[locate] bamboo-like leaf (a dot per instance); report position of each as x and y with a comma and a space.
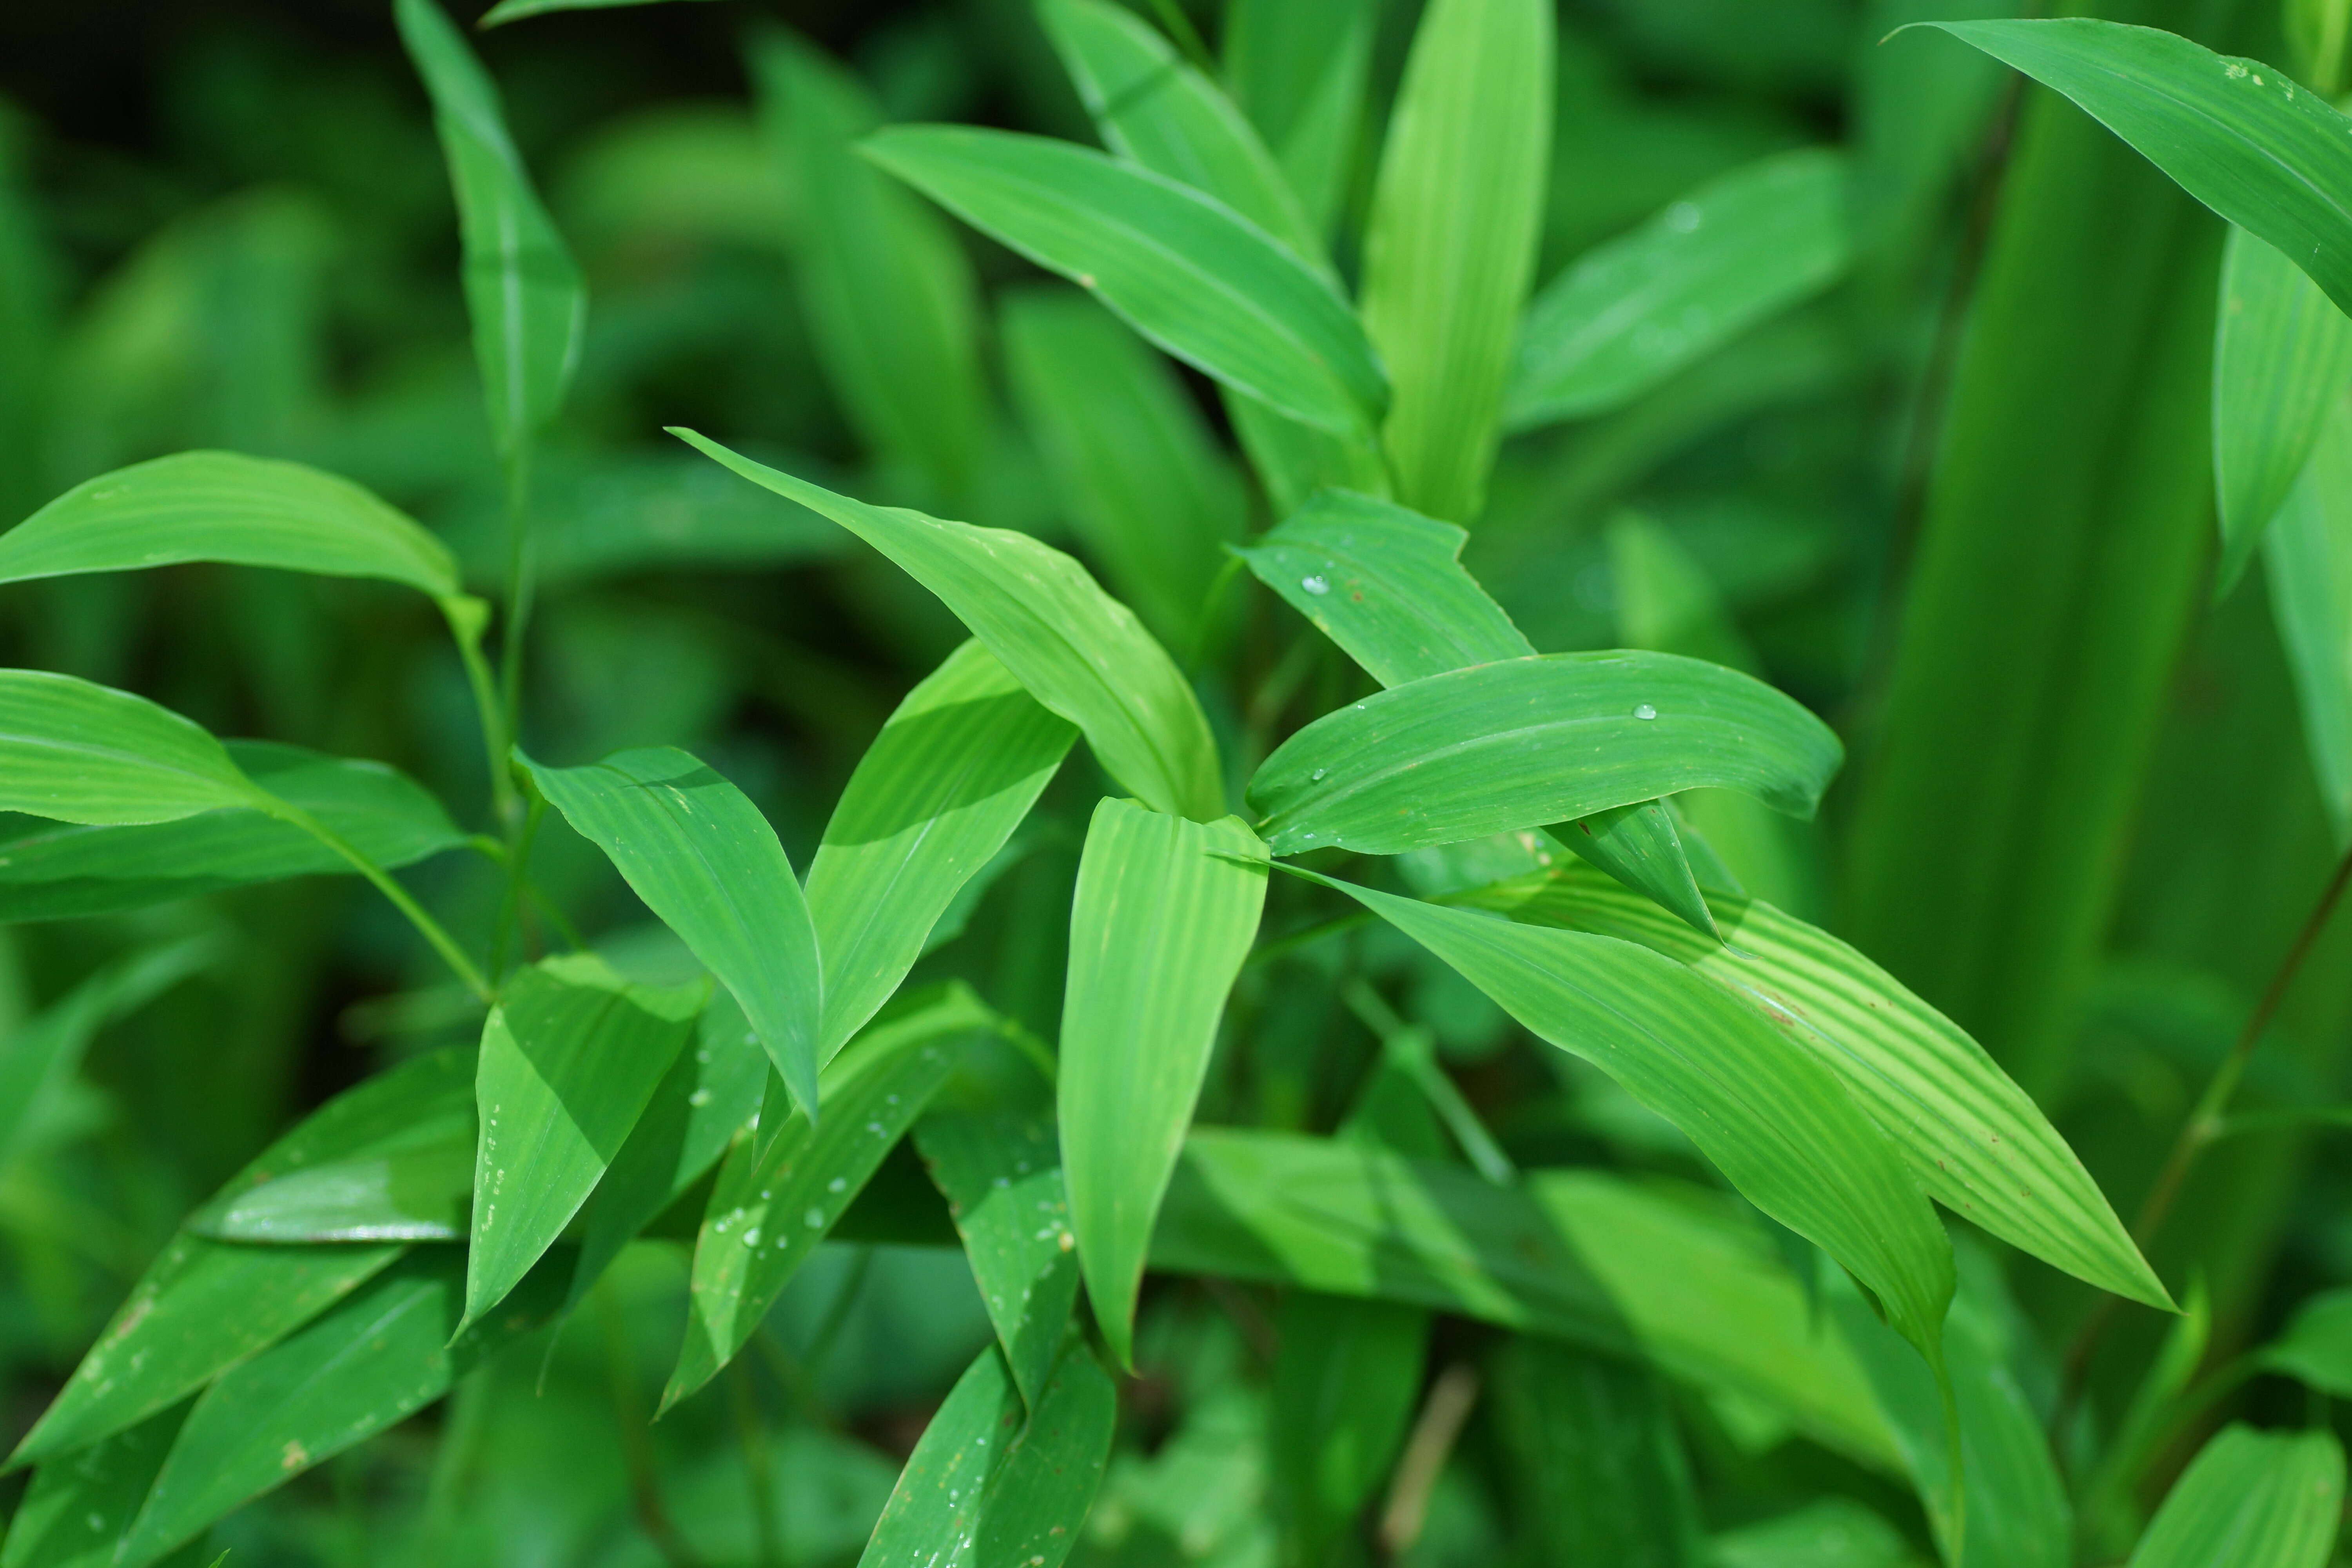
985, 1487
1293, 461
2282, 361
2318, 1345
569, 1058
1583, 1255
42, 1053
1835, 1530
382, 1354
78, 1506
780, 1194
1299, 67
1157, 110
516, 10
1451, 245
1641, 847
1590, 1448
522, 288
1774, 1120
2251, 1499
1179, 266
51, 870
1526, 741
1139, 476
1002, 1179
1973, 1139
1080, 652
75, 752
1165, 912
1346, 1374
935, 797
703, 858
2308, 563
886, 288
2237, 134
1631, 313
225, 506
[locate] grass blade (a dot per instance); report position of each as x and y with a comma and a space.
2251, 1499
1299, 69
2307, 560
2282, 359
1001, 1176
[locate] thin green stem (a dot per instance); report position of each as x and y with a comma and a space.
1412, 1048
751, 1437
427, 926
519, 588
467, 616
518, 882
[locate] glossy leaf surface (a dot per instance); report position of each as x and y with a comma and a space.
1527, 742
2251, 1499
2281, 361
1002, 1179
1165, 911
1181, 267
696, 850
1079, 651
75, 752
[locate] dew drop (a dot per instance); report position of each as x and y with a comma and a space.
815, 1219
1317, 774
1683, 218
838, 1185
1643, 710
751, 1236
700, 1097
1316, 584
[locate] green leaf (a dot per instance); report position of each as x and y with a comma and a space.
522, 288
886, 288
2282, 360
1299, 69
970, 1498
1450, 244
1154, 110
1836, 1532
1345, 1376
383, 1353
1179, 266
2237, 134
1973, 1139
74, 752
935, 797
696, 850
2317, 1344
516, 10
1525, 742
1774, 1119
1584, 1255
1139, 474
1590, 1448
1629, 314
40, 1054
2308, 563
77, 1508
1165, 911
1641, 847
1386, 584
1002, 1179
51, 870
225, 506
2251, 1499
1079, 651
569, 1058
780, 1194
1293, 461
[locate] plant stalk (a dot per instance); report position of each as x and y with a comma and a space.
427, 926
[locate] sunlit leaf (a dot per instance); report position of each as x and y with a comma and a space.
696, 850
569, 1058
1179, 266
1346, 1374
74, 752
1165, 911
1452, 240
2251, 1499
1002, 1179
1527, 742
1080, 652
1298, 67
2282, 361
1836, 1532
2307, 564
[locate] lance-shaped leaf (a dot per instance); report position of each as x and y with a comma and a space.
935, 797
522, 288
696, 850
381, 1355
1641, 847
1973, 1139
1002, 1179
1079, 651
75, 751
2239, 135
569, 1056
1293, 461
2317, 1344
1526, 741
1450, 244
1298, 67
1775, 1120
225, 506
51, 870
985, 1487
1629, 314
2282, 360
78, 1506
886, 288
1677, 1277
1138, 473
780, 1194
1164, 913
1157, 110
1346, 1374
1178, 265
2308, 563
1590, 1449
2251, 1499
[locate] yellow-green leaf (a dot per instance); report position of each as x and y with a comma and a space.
2251, 1499
2282, 361
75, 752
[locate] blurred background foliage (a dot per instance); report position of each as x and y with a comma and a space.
1958, 504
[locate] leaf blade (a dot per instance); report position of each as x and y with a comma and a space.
2282, 359
75, 751
2251, 1499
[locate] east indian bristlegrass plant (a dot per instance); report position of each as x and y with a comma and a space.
1525, 822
